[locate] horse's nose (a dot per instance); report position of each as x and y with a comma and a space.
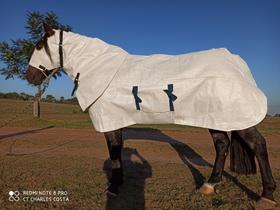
29, 75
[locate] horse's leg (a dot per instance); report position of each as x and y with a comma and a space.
115, 144
258, 144
221, 142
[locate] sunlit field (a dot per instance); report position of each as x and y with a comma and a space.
164, 165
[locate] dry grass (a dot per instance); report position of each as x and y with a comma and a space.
75, 160
71, 116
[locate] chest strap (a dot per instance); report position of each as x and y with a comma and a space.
76, 83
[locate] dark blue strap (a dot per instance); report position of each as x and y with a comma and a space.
136, 97
171, 96
76, 83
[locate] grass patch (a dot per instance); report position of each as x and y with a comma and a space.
71, 116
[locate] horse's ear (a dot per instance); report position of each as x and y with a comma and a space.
48, 30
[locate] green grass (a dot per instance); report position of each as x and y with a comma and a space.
71, 116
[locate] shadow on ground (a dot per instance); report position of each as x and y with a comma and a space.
28, 132
132, 192
24, 132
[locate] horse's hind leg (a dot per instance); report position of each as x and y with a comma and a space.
221, 142
257, 143
115, 143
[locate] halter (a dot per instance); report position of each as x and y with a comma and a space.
60, 51
48, 77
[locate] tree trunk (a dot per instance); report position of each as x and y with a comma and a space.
36, 105
242, 158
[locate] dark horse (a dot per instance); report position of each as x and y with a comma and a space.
246, 144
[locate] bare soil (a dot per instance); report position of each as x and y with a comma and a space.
163, 169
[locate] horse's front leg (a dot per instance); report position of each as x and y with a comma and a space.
115, 143
221, 142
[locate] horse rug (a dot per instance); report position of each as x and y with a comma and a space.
210, 89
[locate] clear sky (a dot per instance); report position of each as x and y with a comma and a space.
248, 28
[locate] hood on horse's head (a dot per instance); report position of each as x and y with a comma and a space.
46, 52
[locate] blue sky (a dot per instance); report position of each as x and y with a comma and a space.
248, 28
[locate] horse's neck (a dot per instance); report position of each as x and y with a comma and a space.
77, 48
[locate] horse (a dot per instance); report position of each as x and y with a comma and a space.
55, 51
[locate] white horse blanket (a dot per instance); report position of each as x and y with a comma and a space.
211, 89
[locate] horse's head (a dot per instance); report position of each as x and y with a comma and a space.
45, 58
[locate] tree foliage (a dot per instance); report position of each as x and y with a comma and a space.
16, 96
16, 54
26, 97
50, 98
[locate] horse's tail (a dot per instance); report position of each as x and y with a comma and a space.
242, 158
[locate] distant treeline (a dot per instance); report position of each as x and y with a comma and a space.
50, 98
26, 97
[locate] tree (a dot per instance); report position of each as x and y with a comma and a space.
16, 54
62, 99
72, 100
25, 97
50, 98
12, 95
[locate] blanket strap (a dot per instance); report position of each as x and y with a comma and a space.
76, 83
136, 97
171, 96
60, 50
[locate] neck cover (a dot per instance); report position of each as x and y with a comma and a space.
211, 89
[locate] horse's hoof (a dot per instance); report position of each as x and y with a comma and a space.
207, 189
111, 193
113, 190
266, 204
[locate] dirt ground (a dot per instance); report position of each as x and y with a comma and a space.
163, 169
